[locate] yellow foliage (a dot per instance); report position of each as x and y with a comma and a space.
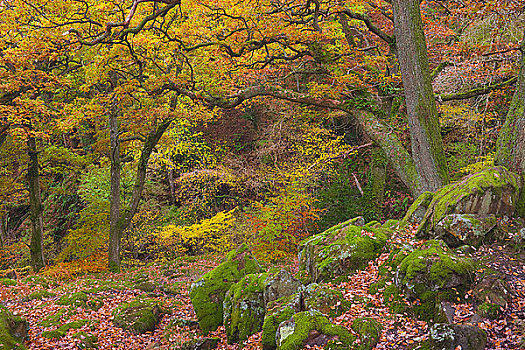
211, 235
484, 162
98, 262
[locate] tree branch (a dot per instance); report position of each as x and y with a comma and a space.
475, 92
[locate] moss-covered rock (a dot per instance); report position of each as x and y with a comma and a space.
95, 304
341, 250
245, 302
138, 316
417, 210
454, 336
207, 293
464, 229
313, 297
492, 191
244, 307
73, 299
369, 331
431, 274
13, 330
309, 328
62, 330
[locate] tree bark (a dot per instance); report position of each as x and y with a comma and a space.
114, 206
36, 208
378, 172
510, 151
425, 132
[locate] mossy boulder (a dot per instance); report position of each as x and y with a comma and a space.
137, 316
489, 310
464, 229
431, 274
493, 191
244, 307
454, 336
314, 297
369, 331
207, 293
341, 250
13, 330
245, 302
417, 210
312, 328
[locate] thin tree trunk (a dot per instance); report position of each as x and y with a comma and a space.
114, 207
511, 139
378, 172
120, 221
36, 208
425, 132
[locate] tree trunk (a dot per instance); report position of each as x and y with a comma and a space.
114, 206
378, 172
510, 150
119, 222
36, 208
425, 132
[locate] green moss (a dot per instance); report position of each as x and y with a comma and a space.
329, 302
40, 294
11, 330
53, 320
272, 320
74, 299
294, 335
137, 316
445, 201
394, 300
244, 307
423, 201
433, 274
489, 310
369, 331
7, 282
87, 340
95, 304
62, 330
207, 293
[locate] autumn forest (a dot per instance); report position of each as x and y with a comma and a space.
275, 174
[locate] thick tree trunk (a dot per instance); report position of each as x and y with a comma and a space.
511, 139
425, 133
36, 208
114, 207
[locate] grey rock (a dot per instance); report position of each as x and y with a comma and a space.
450, 336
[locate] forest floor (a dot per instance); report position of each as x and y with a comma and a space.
171, 282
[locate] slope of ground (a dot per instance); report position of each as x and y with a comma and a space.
37, 298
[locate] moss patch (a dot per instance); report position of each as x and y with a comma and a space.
62, 330
7, 282
40, 294
369, 331
53, 320
87, 340
74, 299
207, 293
